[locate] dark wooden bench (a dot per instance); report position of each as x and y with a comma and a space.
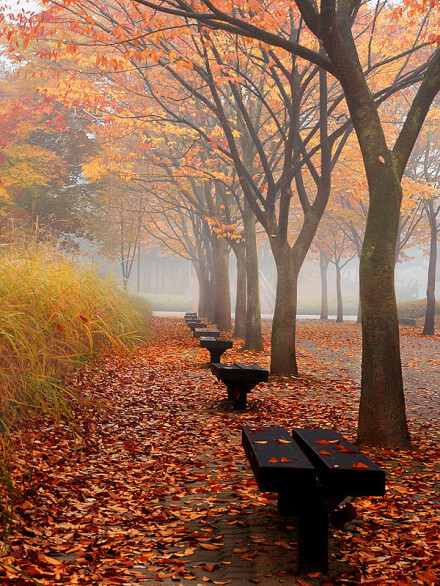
407, 321
189, 314
240, 379
216, 346
196, 324
204, 330
313, 471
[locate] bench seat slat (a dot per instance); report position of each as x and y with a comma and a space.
212, 342
253, 372
225, 372
295, 475
347, 471
202, 330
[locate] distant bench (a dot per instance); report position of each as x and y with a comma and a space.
240, 379
313, 471
204, 330
196, 323
216, 346
190, 315
407, 321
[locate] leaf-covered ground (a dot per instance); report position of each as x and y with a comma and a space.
150, 485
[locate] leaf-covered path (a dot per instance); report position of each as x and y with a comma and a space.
150, 484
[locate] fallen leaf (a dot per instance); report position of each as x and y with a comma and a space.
359, 465
324, 453
343, 450
273, 460
284, 544
283, 459
48, 560
427, 577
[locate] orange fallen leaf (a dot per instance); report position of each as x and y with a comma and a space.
282, 441
283, 459
48, 560
427, 577
324, 453
346, 450
262, 442
273, 460
208, 546
322, 442
284, 544
240, 550
359, 465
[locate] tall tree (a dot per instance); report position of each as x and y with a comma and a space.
382, 419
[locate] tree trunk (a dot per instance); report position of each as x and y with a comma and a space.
429, 326
339, 310
283, 354
240, 303
382, 419
222, 308
253, 339
204, 289
323, 266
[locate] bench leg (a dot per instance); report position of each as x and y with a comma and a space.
216, 354
230, 391
313, 535
239, 398
285, 504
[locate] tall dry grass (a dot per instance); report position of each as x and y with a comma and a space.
54, 314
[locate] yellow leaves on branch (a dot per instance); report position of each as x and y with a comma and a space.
221, 230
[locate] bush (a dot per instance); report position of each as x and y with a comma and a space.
54, 313
168, 302
415, 308
312, 305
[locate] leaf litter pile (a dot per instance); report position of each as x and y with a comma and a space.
150, 485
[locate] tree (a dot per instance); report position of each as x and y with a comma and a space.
42, 149
424, 170
382, 418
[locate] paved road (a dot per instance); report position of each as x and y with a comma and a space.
340, 357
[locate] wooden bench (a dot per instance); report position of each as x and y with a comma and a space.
196, 324
190, 314
216, 346
407, 321
203, 330
313, 471
240, 379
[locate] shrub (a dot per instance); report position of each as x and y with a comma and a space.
312, 305
415, 308
54, 313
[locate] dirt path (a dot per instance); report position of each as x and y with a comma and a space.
155, 489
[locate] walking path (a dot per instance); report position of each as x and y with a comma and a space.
151, 486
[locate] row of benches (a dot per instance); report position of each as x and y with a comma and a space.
315, 472
240, 378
